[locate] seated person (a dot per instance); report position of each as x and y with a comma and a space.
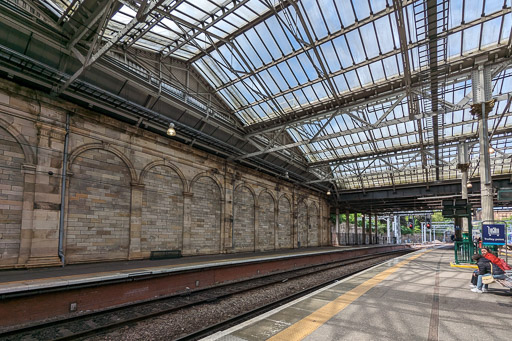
484, 268
495, 260
474, 279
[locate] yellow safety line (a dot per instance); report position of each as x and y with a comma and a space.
309, 324
469, 266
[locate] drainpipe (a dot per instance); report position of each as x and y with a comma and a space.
63, 192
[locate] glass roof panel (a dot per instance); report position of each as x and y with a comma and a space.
272, 64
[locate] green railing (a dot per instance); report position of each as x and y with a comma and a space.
464, 250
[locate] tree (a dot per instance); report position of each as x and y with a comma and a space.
437, 216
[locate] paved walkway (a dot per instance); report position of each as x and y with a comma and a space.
415, 297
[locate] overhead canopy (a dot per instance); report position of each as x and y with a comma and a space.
345, 95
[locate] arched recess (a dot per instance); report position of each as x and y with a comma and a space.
98, 220
105, 147
178, 172
206, 213
13, 154
302, 224
284, 224
28, 153
266, 221
313, 231
243, 219
162, 207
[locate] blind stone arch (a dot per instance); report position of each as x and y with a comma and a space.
12, 157
206, 212
284, 224
98, 220
313, 231
28, 154
266, 221
302, 224
162, 209
243, 219
105, 147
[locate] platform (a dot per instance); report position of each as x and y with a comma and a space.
414, 297
42, 278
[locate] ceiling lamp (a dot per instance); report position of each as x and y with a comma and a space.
469, 184
328, 192
171, 131
491, 149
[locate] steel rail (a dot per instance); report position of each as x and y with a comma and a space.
193, 298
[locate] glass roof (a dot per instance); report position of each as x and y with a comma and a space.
303, 62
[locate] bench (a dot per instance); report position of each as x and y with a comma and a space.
165, 254
507, 282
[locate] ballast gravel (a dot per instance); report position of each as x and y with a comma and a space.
186, 321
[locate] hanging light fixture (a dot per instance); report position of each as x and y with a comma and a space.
491, 149
469, 184
171, 131
328, 192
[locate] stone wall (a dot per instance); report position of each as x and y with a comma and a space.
162, 210
266, 222
129, 192
11, 197
285, 235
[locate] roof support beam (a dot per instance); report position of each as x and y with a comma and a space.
89, 23
369, 92
362, 128
66, 12
447, 142
134, 23
404, 51
204, 29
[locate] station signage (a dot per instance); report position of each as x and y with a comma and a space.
493, 234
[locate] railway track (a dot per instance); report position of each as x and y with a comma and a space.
97, 323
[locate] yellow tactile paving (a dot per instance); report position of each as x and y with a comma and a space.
309, 324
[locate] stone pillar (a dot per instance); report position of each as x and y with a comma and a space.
229, 185
295, 217
276, 220
46, 205
256, 226
187, 222
27, 214
136, 221
363, 223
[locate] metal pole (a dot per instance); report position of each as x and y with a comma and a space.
397, 230
337, 230
347, 228
482, 92
388, 221
356, 236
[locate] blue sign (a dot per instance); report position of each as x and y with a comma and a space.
493, 234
